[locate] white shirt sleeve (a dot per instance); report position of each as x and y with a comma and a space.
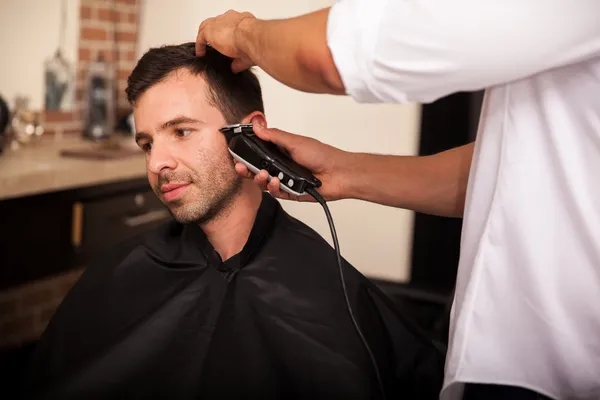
421, 50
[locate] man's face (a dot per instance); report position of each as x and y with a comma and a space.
188, 164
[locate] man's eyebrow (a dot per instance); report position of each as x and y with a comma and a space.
178, 120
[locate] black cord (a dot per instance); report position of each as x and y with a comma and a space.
336, 246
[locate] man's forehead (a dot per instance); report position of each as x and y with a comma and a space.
177, 84
180, 93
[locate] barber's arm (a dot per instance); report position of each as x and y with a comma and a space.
411, 51
294, 51
433, 184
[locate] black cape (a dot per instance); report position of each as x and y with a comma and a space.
170, 320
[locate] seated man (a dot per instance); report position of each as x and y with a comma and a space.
232, 299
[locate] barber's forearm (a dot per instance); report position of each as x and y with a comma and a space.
294, 51
434, 184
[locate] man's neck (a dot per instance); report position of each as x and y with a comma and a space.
229, 232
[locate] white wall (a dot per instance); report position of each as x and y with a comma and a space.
376, 239
30, 35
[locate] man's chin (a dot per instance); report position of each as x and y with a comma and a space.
178, 212
185, 213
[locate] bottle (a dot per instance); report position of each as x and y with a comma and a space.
99, 101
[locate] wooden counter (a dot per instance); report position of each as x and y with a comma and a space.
59, 213
40, 168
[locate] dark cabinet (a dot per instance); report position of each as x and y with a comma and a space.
34, 238
98, 223
44, 234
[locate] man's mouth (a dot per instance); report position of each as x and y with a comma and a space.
172, 191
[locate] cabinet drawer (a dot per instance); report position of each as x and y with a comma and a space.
100, 224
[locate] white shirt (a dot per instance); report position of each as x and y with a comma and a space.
527, 305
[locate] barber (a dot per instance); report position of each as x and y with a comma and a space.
525, 318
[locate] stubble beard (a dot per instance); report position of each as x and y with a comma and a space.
204, 203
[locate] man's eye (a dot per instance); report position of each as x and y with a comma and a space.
146, 146
182, 132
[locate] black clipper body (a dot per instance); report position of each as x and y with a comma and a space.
258, 154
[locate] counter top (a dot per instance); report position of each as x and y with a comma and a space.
40, 167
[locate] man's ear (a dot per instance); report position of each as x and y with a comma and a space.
255, 117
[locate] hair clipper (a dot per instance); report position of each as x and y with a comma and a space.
257, 154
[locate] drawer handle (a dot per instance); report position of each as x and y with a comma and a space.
150, 216
77, 224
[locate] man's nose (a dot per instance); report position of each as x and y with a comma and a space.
160, 158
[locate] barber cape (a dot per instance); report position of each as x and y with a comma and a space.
170, 320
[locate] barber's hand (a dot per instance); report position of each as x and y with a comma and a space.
327, 163
220, 33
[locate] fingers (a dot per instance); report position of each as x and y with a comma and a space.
242, 170
201, 40
273, 186
279, 137
262, 180
261, 132
241, 64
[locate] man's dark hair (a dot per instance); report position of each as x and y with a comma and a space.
235, 95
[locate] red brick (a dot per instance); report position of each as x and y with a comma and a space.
85, 12
126, 37
132, 18
18, 326
130, 55
106, 14
93, 33
85, 54
133, 2
109, 55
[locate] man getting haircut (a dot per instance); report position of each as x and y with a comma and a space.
233, 298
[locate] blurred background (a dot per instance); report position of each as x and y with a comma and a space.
72, 182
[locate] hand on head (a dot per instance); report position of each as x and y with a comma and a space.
324, 161
220, 33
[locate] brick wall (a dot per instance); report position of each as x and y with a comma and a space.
26, 310
108, 28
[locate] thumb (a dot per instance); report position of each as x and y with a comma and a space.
281, 138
